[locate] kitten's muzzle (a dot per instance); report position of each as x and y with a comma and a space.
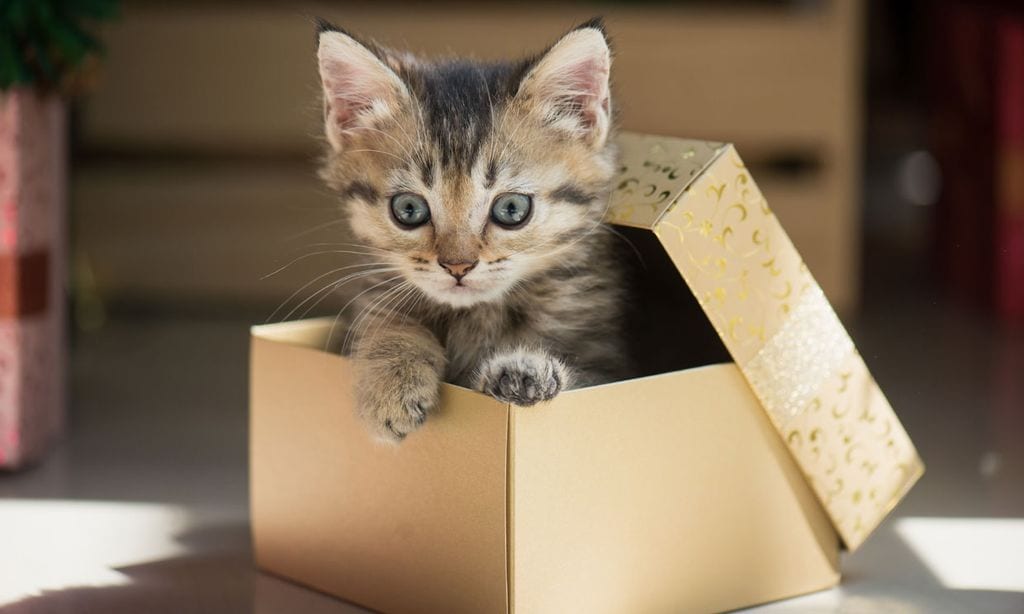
459, 269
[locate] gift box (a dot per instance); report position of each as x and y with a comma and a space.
32, 387
731, 474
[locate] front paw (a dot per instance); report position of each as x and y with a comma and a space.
396, 402
523, 377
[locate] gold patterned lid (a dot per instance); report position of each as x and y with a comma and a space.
711, 219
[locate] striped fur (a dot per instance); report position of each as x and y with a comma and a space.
539, 311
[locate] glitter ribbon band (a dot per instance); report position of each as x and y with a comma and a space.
793, 365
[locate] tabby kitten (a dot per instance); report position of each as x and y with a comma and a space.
481, 187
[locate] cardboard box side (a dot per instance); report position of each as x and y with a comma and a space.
419, 527
311, 333
510, 463
654, 495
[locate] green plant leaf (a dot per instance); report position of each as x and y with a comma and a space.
41, 41
8, 61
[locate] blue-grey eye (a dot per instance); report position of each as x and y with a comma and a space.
410, 210
511, 210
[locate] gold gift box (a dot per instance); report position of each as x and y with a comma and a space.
700, 489
736, 259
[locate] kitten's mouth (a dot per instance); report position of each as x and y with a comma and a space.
461, 293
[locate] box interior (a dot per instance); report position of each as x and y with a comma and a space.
665, 327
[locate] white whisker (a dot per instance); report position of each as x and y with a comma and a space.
354, 298
332, 287
355, 245
362, 318
314, 280
386, 153
392, 307
405, 146
625, 239
315, 229
318, 253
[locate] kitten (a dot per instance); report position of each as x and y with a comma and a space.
480, 189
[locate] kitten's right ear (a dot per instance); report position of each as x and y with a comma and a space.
358, 87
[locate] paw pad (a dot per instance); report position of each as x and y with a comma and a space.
523, 378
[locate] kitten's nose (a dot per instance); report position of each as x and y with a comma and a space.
458, 270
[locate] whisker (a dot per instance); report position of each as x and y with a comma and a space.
414, 306
313, 281
330, 336
490, 108
317, 253
404, 146
362, 318
404, 306
625, 239
332, 287
354, 322
314, 229
508, 142
356, 245
600, 222
317, 278
379, 308
392, 306
386, 153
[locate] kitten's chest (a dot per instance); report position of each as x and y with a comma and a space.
471, 336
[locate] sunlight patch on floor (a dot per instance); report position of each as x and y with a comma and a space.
969, 553
54, 544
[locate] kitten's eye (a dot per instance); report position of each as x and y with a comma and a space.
409, 210
511, 210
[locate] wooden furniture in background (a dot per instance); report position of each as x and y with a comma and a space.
197, 153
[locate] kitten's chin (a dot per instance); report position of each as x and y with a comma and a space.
465, 296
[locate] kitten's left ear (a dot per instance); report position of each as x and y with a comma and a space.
569, 85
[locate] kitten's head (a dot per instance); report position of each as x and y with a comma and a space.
473, 176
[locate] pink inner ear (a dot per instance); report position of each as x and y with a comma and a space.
586, 92
344, 104
339, 113
351, 89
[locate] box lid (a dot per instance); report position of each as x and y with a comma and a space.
711, 219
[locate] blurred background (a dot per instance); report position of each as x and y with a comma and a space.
888, 137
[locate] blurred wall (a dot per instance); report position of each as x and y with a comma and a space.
195, 156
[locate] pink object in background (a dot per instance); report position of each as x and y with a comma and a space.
32, 256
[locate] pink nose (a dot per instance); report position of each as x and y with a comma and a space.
458, 270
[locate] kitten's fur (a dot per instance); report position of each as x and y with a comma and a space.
538, 310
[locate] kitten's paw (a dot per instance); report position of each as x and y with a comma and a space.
397, 403
523, 377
